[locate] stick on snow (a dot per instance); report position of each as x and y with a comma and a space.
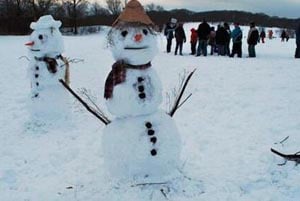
89, 108
178, 98
288, 157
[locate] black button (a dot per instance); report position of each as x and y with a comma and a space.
153, 152
153, 140
142, 95
141, 88
36, 75
36, 95
140, 79
37, 84
151, 132
37, 68
148, 124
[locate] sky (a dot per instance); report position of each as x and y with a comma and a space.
281, 8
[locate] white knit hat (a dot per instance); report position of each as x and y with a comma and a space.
45, 22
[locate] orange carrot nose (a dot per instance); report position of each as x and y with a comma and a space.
138, 37
31, 43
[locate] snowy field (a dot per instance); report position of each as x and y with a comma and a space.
239, 109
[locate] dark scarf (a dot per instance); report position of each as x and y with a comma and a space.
118, 75
50, 62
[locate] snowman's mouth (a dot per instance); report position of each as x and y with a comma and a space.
135, 48
35, 50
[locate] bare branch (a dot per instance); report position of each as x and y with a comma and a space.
177, 100
89, 108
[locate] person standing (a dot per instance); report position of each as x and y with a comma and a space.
252, 39
283, 35
169, 32
297, 54
194, 39
180, 38
237, 36
203, 34
212, 40
262, 35
221, 37
227, 43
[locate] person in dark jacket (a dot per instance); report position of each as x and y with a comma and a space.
221, 39
237, 36
227, 44
194, 39
262, 35
180, 38
297, 54
252, 39
212, 40
203, 34
169, 32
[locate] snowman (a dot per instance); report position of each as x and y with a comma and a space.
47, 65
142, 143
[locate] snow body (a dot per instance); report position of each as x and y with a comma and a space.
130, 152
49, 98
142, 143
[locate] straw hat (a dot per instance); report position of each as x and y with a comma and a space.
134, 12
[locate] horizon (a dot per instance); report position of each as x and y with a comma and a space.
279, 8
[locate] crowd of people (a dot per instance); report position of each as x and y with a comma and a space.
220, 39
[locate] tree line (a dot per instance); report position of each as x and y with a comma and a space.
16, 15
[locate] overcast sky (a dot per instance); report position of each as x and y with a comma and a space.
281, 8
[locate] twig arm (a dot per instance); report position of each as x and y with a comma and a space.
83, 103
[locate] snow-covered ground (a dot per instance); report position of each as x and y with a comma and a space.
239, 109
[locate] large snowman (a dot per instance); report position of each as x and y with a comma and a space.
47, 65
142, 143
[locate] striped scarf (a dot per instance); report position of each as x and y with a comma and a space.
118, 75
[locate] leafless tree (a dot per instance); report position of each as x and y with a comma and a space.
114, 6
75, 8
153, 7
96, 9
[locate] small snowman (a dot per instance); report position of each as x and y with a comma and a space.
47, 65
142, 143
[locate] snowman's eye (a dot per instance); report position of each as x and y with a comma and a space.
41, 37
124, 33
145, 31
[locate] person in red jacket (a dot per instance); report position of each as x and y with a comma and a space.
194, 39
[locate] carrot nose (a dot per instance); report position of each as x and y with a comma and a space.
31, 43
138, 37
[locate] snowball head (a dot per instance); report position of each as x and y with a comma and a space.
127, 99
47, 40
135, 44
142, 149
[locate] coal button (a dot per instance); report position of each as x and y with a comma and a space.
37, 68
153, 152
36, 75
142, 95
141, 88
153, 140
148, 124
140, 79
151, 132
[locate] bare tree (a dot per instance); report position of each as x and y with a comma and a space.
114, 6
96, 9
75, 8
41, 7
153, 7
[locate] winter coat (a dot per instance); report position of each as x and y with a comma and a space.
212, 38
194, 36
203, 31
169, 31
253, 36
262, 34
221, 36
298, 35
179, 34
237, 35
